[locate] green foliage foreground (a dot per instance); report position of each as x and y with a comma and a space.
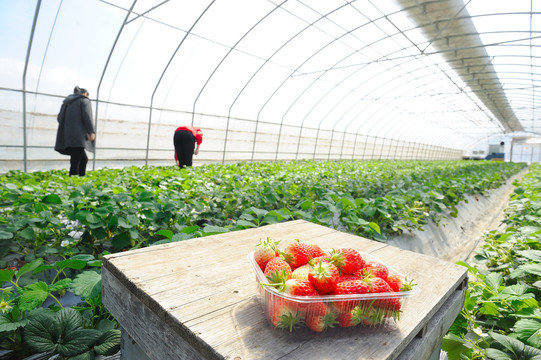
501, 318
54, 229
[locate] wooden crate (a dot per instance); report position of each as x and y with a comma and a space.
197, 299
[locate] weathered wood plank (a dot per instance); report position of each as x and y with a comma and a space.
439, 324
203, 293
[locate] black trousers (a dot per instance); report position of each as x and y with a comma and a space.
184, 146
78, 161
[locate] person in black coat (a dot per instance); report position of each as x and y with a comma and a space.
75, 131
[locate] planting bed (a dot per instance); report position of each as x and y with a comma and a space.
55, 229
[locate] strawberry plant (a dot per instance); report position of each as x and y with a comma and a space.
501, 317
58, 220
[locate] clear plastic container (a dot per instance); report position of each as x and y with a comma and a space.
358, 312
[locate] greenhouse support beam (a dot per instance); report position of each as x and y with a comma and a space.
103, 75
163, 73
28, 51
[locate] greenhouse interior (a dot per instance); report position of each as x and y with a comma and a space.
138, 133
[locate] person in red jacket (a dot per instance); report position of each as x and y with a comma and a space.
187, 140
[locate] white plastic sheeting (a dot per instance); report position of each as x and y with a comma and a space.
265, 80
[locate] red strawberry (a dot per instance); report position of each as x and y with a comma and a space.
324, 277
347, 260
374, 269
265, 250
317, 308
347, 277
379, 286
284, 314
275, 267
394, 282
315, 250
297, 254
295, 287
319, 323
351, 318
298, 287
349, 287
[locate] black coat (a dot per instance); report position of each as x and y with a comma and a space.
74, 124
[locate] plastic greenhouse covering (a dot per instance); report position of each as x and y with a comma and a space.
273, 80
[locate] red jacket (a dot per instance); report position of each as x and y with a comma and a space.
197, 133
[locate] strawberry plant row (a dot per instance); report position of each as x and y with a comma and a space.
54, 229
501, 318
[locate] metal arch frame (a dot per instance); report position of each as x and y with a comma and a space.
257, 71
232, 105
220, 63
388, 36
323, 72
397, 128
501, 110
306, 89
124, 23
28, 51
288, 77
165, 70
407, 73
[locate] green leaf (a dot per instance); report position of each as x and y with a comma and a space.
489, 308
494, 281
165, 233
529, 331
87, 285
246, 223
4, 235
41, 334
495, 354
109, 343
146, 195
92, 218
6, 275
375, 227
531, 268
60, 285
181, 237
27, 233
83, 257
121, 240
52, 199
7, 325
189, 229
511, 344
469, 267
516, 289
534, 255
71, 264
454, 345
68, 320
33, 295
78, 341
81, 215
260, 213
105, 325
